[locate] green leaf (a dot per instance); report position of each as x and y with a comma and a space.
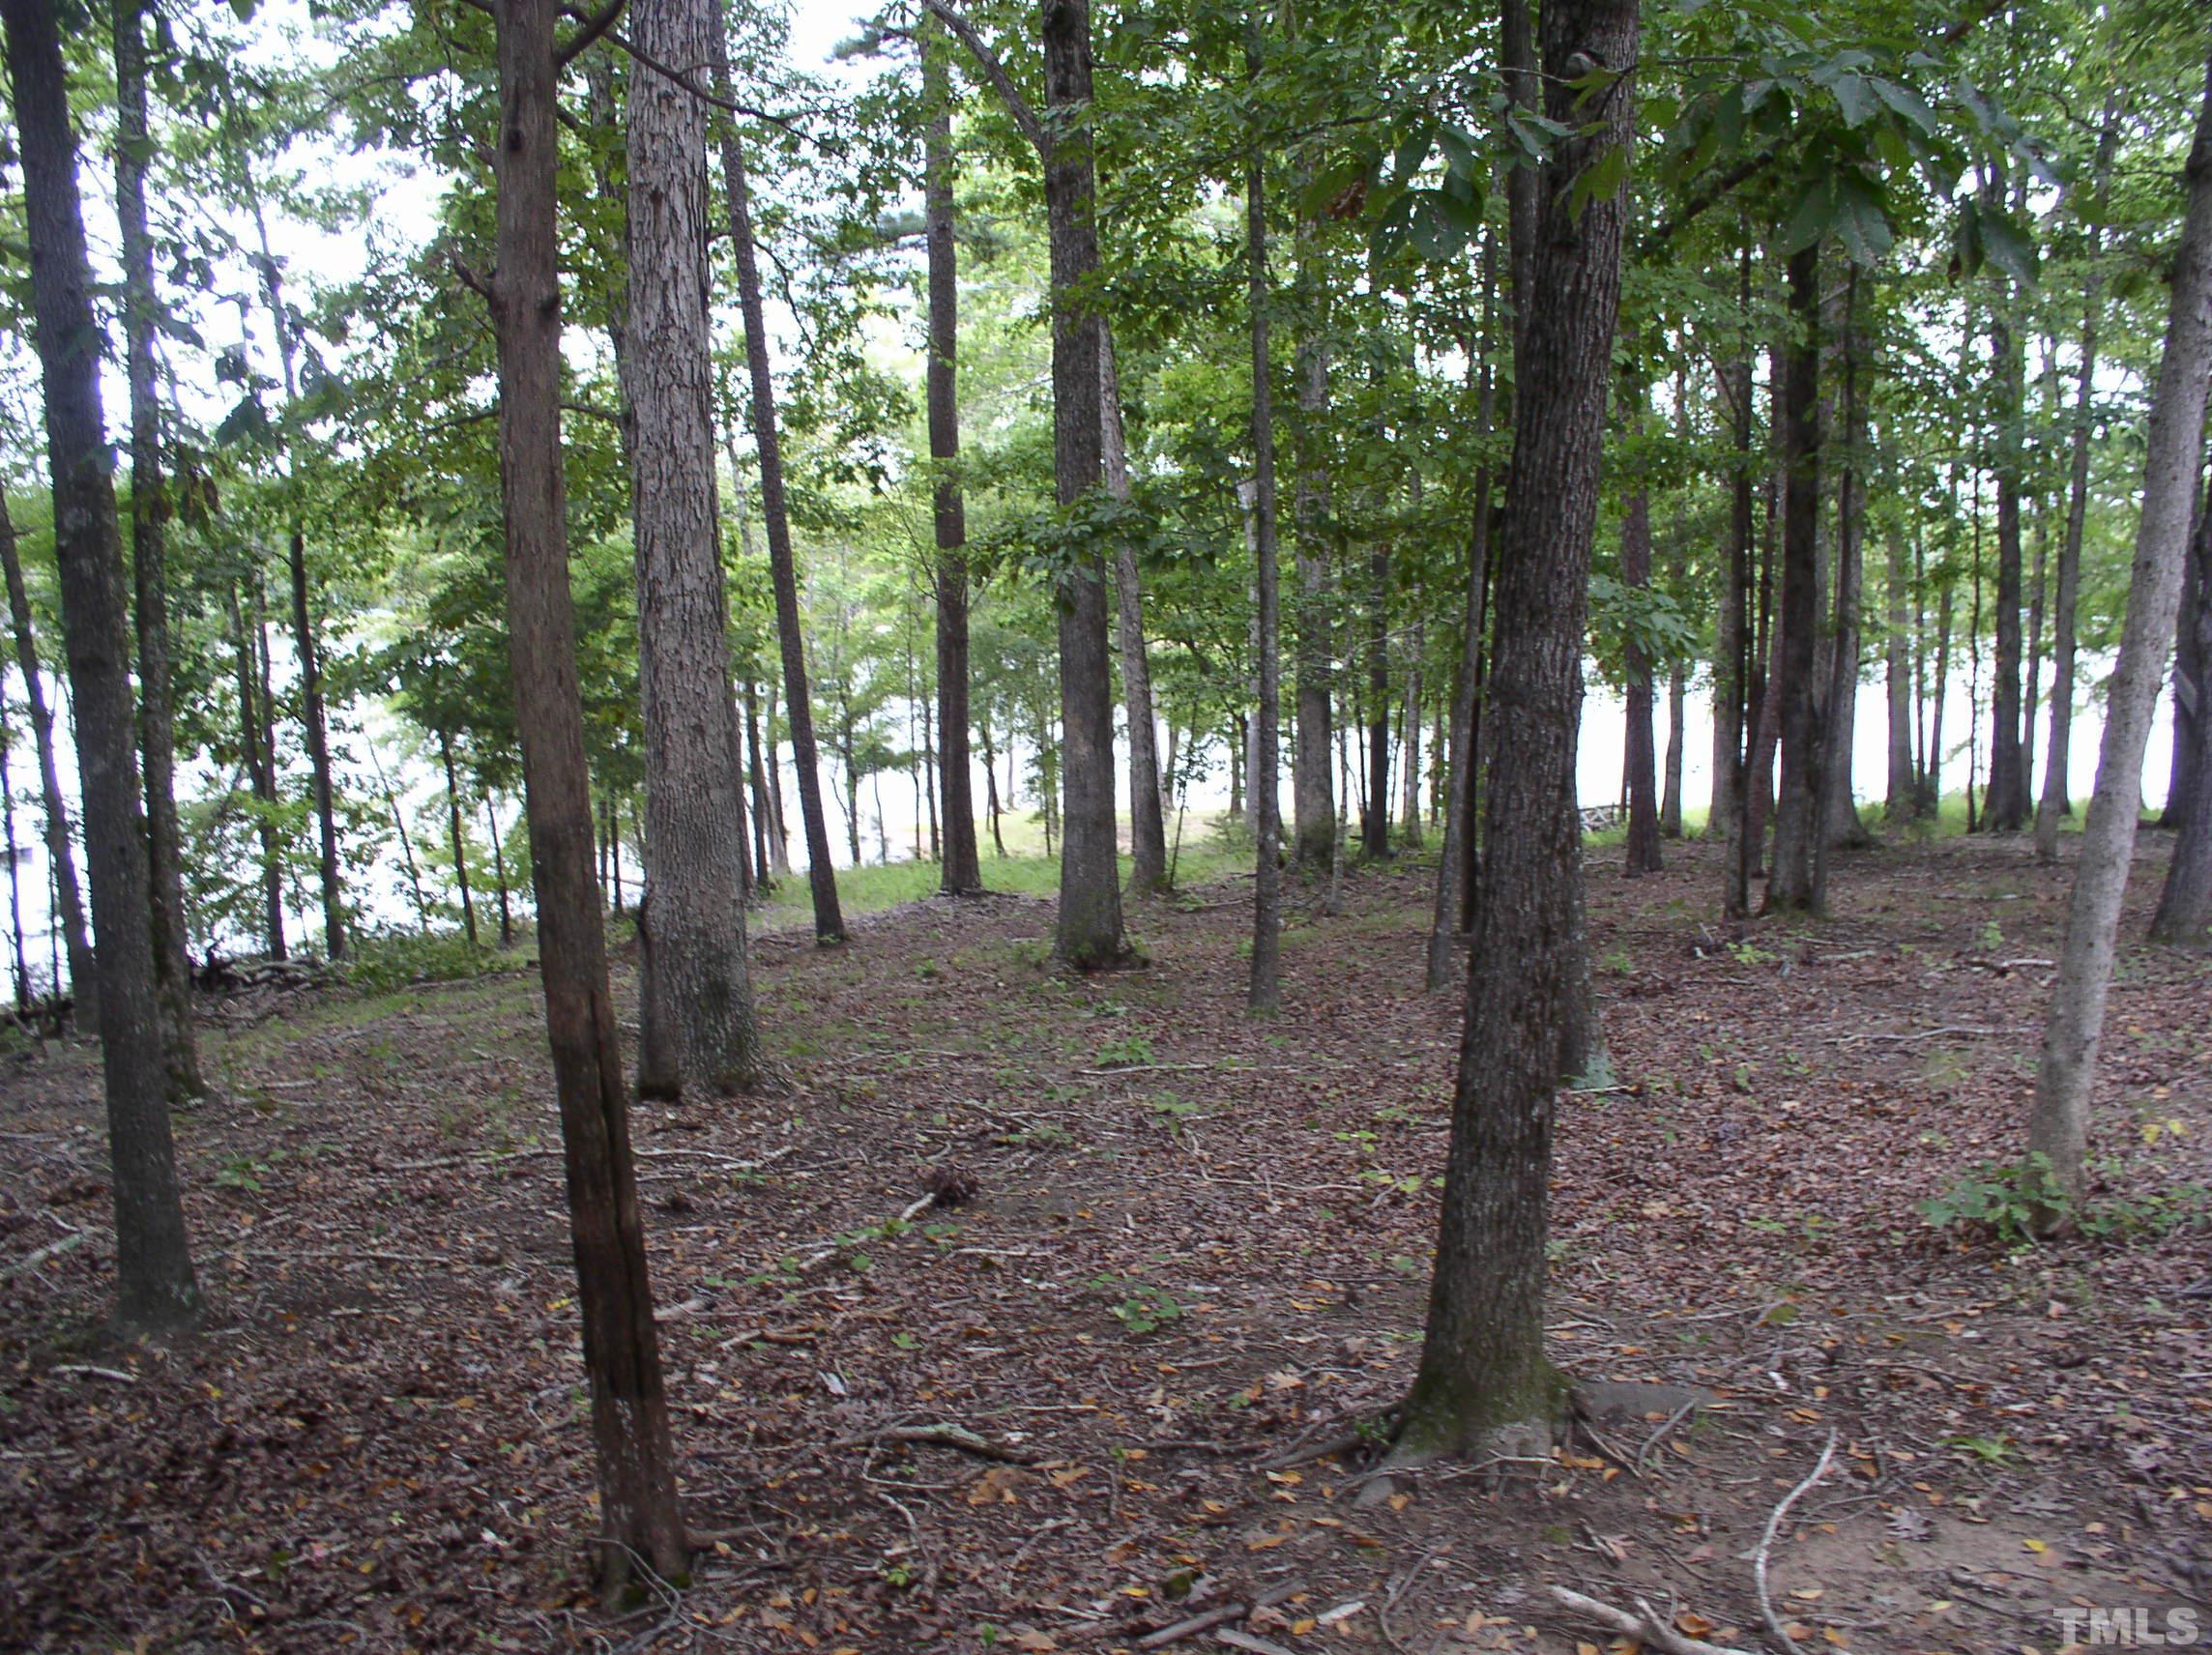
1809, 219
1858, 220
1905, 101
2011, 249
1599, 181
1855, 99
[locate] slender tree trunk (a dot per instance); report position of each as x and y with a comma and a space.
821, 875
1642, 854
460, 844
1147, 823
1375, 823
1902, 799
260, 765
1411, 739
641, 1525
499, 871
1797, 865
1089, 930
69, 901
1312, 808
155, 1287
991, 786
1484, 1378
1736, 710
15, 873
2185, 902
398, 817
1264, 991
695, 1001
1840, 822
960, 873
778, 839
2007, 801
759, 782
2073, 1023
149, 550
313, 722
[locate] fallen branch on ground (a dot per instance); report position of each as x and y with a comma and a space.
1647, 1625
944, 1436
1766, 1544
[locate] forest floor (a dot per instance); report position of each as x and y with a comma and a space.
1196, 1243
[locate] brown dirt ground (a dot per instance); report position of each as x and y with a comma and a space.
1197, 1241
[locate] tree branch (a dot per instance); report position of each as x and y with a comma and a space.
591, 29
1002, 84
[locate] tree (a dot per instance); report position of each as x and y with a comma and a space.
695, 1016
776, 515
84, 974
155, 1286
1267, 988
1088, 936
639, 1520
2074, 1022
1483, 1373
2184, 916
1799, 864
960, 872
149, 554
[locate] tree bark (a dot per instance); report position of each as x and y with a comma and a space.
1797, 865
1840, 822
695, 1001
2185, 903
150, 559
2006, 803
69, 901
1483, 1377
1264, 991
499, 871
960, 872
1736, 714
15, 872
640, 1521
1313, 803
2189, 682
820, 873
155, 1287
1089, 935
2073, 1023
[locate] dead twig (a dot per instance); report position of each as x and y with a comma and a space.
942, 1435
117, 1375
1774, 1629
1647, 1625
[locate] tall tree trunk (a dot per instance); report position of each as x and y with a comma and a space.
2073, 1023
820, 873
961, 872
459, 843
2007, 801
1735, 662
1409, 734
1484, 1378
2185, 903
778, 837
1797, 865
695, 999
1643, 853
640, 1522
155, 1284
69, 901
1677, 685
1312, 804
1840, 822
391, 807
260, 767
1265, 990
1089, 930
758, 778
1456, 870
1901, 800
150, 559
1147, 821
2190, 682
313, 723
991, 786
